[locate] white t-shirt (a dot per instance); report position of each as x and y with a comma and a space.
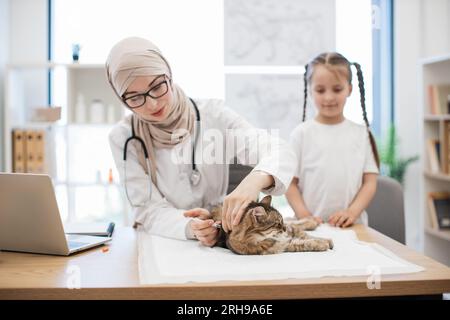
331, 162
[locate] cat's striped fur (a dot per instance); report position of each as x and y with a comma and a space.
263, 231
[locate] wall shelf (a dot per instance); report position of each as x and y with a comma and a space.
443, 234
437, 176
433, 117
433, 71
78, 157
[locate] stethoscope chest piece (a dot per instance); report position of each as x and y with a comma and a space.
195, 177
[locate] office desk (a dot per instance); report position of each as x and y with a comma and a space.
114, 275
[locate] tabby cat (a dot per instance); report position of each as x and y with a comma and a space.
263, 231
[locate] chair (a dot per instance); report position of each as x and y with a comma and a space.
237, 172
386, 211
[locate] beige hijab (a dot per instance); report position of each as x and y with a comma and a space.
134, 57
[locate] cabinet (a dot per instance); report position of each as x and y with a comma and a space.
435, 136
77, 154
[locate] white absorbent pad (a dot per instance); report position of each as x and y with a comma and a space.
163, 260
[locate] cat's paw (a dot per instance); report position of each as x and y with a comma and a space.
330, 244
322, 245
295, 230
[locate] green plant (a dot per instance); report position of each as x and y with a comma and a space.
391, 164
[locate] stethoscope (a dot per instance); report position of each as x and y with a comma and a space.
195, 174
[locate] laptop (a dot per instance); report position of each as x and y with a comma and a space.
30, 219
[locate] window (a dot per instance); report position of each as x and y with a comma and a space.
354, 41
382, 38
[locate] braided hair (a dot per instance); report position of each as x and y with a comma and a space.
333, 59
305, 89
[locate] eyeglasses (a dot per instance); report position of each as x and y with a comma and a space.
155, 92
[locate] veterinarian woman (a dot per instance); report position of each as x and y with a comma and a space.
160, 149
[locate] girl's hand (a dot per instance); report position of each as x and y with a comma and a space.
202, 227
343, 218
308, 214
318, 219
237, 201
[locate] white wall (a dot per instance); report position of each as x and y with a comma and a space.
28, 31
422, 29
29, 44
4, 54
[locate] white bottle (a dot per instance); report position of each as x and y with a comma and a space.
80, 109
97, 111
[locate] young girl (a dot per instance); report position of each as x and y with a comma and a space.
338, 160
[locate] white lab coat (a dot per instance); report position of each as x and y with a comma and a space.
164, 213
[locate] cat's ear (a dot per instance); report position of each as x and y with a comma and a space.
267, 200
257, 214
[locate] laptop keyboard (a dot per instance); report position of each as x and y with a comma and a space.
74, 244
75, 241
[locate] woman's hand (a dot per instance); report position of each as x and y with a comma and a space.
202, 227
343, 218
237, 201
